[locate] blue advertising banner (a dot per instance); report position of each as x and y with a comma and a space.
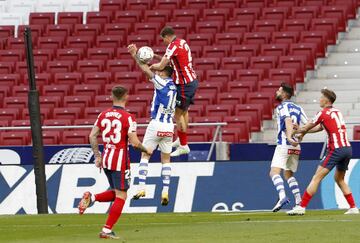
195, 187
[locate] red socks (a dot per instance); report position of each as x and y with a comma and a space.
114, 213
305, 199
107, 196
350, 200
182, 137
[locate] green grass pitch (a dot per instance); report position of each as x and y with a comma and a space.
315, 226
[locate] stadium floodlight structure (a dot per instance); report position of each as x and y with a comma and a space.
36, 130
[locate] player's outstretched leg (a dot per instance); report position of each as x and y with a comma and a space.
114, 215
85, 202
279, 185
165, 175
182, 124
339, 178
88, 199
143, 171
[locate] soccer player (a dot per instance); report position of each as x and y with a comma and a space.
338, 154
178, 54
116, 127
161, 127
286, 155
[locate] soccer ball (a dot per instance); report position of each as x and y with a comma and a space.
145, 54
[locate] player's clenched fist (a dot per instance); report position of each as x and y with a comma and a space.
98, 161
132, 49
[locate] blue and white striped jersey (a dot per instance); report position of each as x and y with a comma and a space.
164, 99
288, 109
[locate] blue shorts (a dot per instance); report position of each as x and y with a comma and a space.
118, 180
186, 94
339, 157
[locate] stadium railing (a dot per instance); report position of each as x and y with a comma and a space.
217, 136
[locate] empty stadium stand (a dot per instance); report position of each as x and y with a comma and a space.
242, 50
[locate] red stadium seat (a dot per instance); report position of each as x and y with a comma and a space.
22, 68
318, 37
101, 78
11, 55
245, 50
286, 3
241, 86
123, 53
141, 39
200, 39
111, 5
103, 101
196, 110
60, 66
286, 37
137, 111
69, 113
90, 66
51, 137
45, 113
274, 49
15, 102
6, 67
240, 122
9, 114
197, 4
90, 90
9, 79
297, 62
19, 91
255, 3
43, 55
216, 14
139, 100
314, 2
20, 123
78, 101
257, 38
235, 97
56, 90
305, 12
230, 135
70, 17
144, 89
275, 13
109, 41
57, 122
269, 85
305, 49
206, 63
228, 38
70, 54
285, 74
14, 138
186, 15
138, 4
326, 24
356, 132
216, 51
128, 16
157, 16
87, 29
253, 75
204, 98
255, 111
198, 134
167, 4
59, 30
267, 25
296, 24
246, 13
50, 101
75, 137
42, 18
41, 78
338, 12
85, 121
264, 98
209, 27
231, 4
233, 63
147, 28
219, 110
36, 30
102, 17
119, 65
128, 77
79, 41
219, 75
50, 42
180, 28
239, 26
92, 112
68, 78
263, 62
100, 53
15, 43
118, 29
7, 31
207, 119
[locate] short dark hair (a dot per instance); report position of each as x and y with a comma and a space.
166, 31
329, 94
169, 70
288, 89
119, 92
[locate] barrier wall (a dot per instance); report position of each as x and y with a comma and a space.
195, 187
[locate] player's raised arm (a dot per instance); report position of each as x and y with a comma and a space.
160, 65
143, 66
94, 145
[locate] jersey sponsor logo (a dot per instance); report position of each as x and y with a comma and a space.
165, 134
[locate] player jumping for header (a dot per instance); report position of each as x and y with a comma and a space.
286, 155
161, 127
117, 127
338, 154
178, 54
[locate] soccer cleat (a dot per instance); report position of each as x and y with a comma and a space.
110, 235
297, 210
180, 151
164, 198
140, 193
352, 211
176, 143
280, 203
85, 202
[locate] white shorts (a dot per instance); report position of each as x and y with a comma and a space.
286, 158
159, 134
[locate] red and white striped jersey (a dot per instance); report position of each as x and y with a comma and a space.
115, 124
333, 122
179, 54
